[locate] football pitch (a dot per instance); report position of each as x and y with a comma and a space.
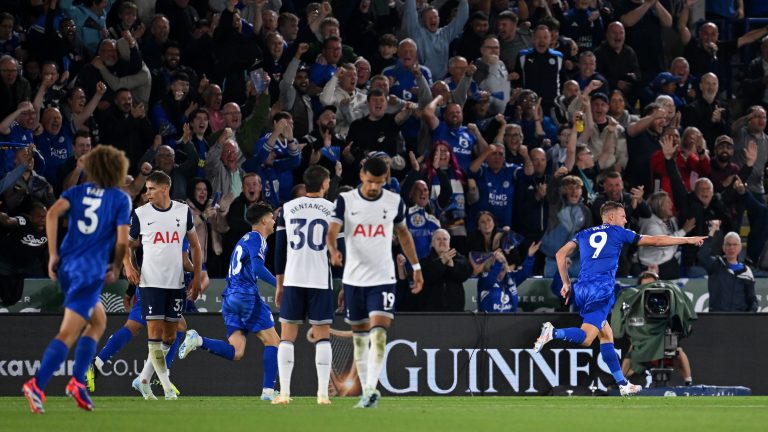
191, 413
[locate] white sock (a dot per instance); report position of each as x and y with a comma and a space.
376, 356
360, 353
323, 358
148, 371
158, 361
99, 363
285, 366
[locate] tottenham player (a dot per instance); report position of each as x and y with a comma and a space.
599, 248
369, 215
99, 214
160, 226
243, 309
304, 286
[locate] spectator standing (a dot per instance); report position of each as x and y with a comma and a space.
731, 284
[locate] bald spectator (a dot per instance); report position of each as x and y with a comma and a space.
731, 284
643, 23
154, 41
222, 166
54, 141
117, 73
445, 271
492, 76
746, 129
164, 158
246, 131
433, 41
707, 53
642, 141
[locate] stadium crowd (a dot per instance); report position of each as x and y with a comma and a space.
506, 124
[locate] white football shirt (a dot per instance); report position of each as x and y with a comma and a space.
368, 229
305, 222
162, 233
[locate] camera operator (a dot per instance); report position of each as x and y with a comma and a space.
680, 362
731, 284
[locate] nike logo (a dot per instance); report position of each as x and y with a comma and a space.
150, 223
354, 213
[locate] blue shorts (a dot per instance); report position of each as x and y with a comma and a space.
136, 313
162, 304
362, 302
81, 290
315, 303
246, 313
594, 299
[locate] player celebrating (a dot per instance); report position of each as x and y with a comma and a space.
161, 224
99, 213
599, 249
304, 280
369, 215
242, 307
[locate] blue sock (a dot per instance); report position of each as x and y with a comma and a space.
115, 343
174, 349
219, 347
84, 352
53, 357
612, 360
270, 367
570, 334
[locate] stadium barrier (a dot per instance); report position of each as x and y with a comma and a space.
427, 354
43, 295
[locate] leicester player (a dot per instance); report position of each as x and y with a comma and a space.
370, 215
160, 225
99, 216
242, 307
599, 248
304, 286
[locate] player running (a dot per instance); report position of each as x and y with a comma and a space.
369, 215
304, 286
99, 214
242, 307
599, 249
160, 225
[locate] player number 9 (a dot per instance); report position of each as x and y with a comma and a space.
597, 241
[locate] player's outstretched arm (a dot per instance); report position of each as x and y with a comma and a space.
409, 249
562, 267
663, 240
59, 208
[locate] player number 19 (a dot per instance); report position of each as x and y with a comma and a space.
388, 299
597, 241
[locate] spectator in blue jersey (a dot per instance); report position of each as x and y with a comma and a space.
17, 127
421, 222
584, 25
322, 72
277, 154
171, 113
497, 284
588, 73
731, 284
496, 182
55, 144
445, 270
432, 40
492, 75
539, 68
464, 140
402, 72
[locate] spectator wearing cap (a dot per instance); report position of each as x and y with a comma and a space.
707, 112
432, 40
341, 91
665, 84
724, 173
617, 61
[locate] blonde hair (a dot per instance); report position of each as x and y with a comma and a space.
106, 166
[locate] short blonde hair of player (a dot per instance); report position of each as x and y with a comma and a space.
609, 213
106, 166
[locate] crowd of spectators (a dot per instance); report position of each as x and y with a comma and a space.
506, 124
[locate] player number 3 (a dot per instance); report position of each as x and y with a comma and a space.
91, 204
597, 241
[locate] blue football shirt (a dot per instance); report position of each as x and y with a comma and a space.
246, 265
599, 250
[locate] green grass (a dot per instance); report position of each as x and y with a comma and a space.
647, 414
